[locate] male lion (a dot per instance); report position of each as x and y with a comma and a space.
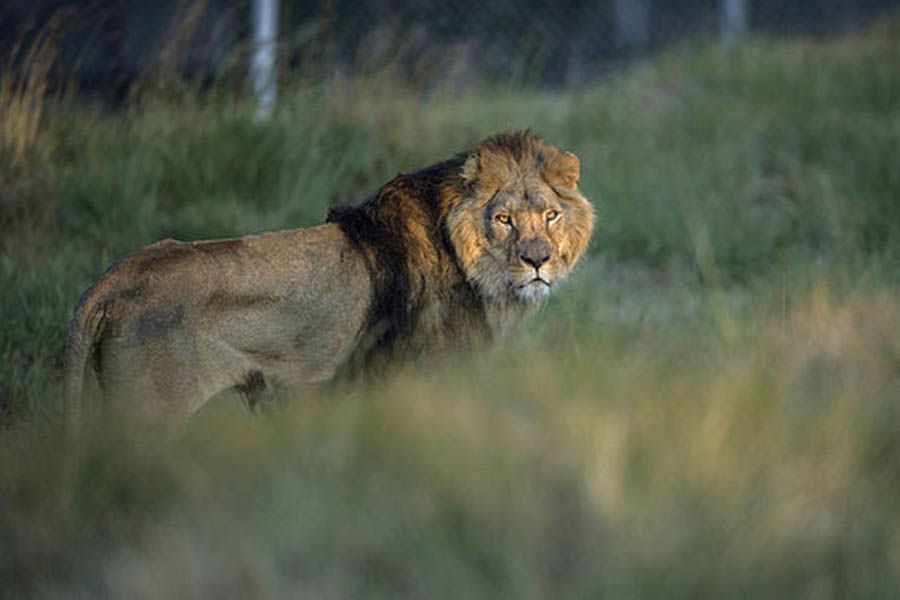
452, 253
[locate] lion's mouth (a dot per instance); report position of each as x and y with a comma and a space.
538, 280
533, 290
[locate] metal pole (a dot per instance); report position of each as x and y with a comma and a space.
632, 18
732, 20
262, 64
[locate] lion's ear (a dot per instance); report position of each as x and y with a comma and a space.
564, 171
470, 168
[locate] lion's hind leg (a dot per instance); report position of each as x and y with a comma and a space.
153, 386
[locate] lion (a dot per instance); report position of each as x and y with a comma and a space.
452, 254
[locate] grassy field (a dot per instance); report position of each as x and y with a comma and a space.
710, 407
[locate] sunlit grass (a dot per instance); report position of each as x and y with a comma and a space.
671, 463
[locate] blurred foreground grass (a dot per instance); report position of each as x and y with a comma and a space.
710, 407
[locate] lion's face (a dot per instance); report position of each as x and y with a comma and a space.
525, 230
524, 225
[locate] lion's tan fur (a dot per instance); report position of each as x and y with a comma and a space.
419, 266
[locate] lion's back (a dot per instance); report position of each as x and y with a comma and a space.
185, 319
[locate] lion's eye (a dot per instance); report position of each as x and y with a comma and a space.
552, 215
504, 219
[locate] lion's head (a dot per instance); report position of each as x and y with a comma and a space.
520, 224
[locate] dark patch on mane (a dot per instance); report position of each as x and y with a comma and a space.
392, 313
378, 228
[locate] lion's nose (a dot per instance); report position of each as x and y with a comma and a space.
535, 252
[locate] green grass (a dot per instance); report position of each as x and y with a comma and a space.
710, 407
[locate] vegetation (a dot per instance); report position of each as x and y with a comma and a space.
710, 407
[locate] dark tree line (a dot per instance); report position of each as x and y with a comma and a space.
106, 44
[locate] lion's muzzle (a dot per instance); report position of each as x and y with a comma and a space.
535, 251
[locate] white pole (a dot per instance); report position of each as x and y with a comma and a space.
262, 64
632, 18
732, 20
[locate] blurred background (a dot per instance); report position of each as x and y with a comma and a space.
707, 408
105, 46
